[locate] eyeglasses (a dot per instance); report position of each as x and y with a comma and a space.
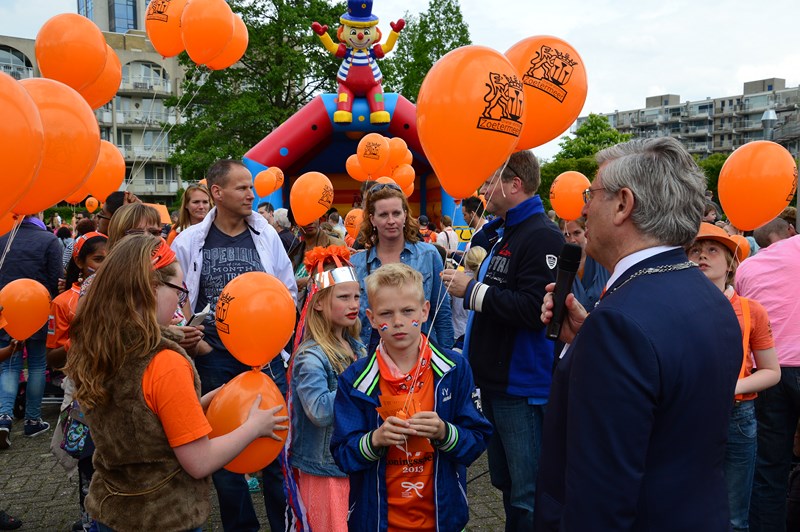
183, 293
138, 231
102, 216
589, 193
381, 186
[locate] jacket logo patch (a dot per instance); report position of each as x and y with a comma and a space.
446, 395
551, 260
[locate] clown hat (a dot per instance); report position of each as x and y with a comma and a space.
359, 14
712, 232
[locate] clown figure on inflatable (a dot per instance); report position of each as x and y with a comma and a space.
359, 74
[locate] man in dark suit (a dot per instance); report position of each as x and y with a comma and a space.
635, 431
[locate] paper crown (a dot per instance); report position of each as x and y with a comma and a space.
317, 258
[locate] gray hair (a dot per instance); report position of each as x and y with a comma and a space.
281, 217
668, 187
778, 227
523, 164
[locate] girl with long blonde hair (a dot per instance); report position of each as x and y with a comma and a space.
140, 394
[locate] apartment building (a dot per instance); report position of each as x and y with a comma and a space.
136, 120
766, 110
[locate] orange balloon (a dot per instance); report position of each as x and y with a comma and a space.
742, 247
92, 204
278, 176
163, 26
71, 144
387, 180
354, 169
409, 190
229, 410
554, 77
7, 222
352, 222
397, 152
255, 317
469, 103
105, 87
757, 181
373, 152
206, 29
265, 183
404, 175
71, 49
108, 173
235, 49
26, 306
203, 182
408, 158
21, 141
311, 197
566, 194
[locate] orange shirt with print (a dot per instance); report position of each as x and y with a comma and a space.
409, 477
62, 312
168, 387
760, 336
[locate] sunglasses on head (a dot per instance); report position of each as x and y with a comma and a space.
381, 186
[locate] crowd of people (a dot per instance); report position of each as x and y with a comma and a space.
670, 400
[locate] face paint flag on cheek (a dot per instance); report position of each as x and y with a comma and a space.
384, 326
414, 323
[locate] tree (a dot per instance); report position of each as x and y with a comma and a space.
592, 136
425, 39
712, 166
226, 112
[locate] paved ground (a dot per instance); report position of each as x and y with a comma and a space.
35, 489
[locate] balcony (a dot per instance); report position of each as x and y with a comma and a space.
141, 153
723, 145
16, 71
697, 131
673, 118
141, 85
748, 125
702, 115
698, 147
145, 119
150, 187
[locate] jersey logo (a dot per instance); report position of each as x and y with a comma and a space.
551, 260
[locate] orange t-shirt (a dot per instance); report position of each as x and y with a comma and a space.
168, 387
760, 336
410, 476
171, 236
62, 312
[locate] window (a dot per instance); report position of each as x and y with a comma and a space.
86, 8
122, 15
769, 87
15, 63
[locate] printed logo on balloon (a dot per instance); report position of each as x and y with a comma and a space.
503, 110
550, 70
222, 312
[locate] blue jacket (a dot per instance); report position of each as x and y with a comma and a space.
457, 403
589, 289
634, 433
426, 260
314, 384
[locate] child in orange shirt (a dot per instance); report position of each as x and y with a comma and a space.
408, 418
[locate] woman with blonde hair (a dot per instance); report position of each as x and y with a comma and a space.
140, 394
390, 234
195, 204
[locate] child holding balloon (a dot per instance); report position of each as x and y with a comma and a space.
330, 332
153, 455
408, 418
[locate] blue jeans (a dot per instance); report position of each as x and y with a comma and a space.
777, 411
9, 379
740, 462
514, 454
235, 503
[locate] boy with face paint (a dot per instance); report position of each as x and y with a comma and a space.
408, 417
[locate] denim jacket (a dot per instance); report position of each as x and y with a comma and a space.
313, 387
426, 260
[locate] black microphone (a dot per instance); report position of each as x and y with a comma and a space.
568, 264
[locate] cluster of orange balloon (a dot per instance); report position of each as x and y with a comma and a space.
208, 30
254, 341
26, 307
311, 197
71, 49
488, 105
756, 183
566, 194
377, 157
268, 181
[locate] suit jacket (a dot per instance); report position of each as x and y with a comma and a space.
635, 430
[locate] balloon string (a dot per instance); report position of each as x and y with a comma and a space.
461, 259
11, 235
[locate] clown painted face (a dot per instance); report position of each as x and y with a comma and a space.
359, 37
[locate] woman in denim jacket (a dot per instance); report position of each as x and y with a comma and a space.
330, 345
391, 235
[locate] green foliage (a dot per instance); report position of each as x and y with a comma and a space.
552, 169
592, 136
711, 166
424, 40
66, 213
227, 112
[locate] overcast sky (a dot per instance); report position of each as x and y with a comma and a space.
632, 48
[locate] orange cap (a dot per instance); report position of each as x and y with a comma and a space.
712, 232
